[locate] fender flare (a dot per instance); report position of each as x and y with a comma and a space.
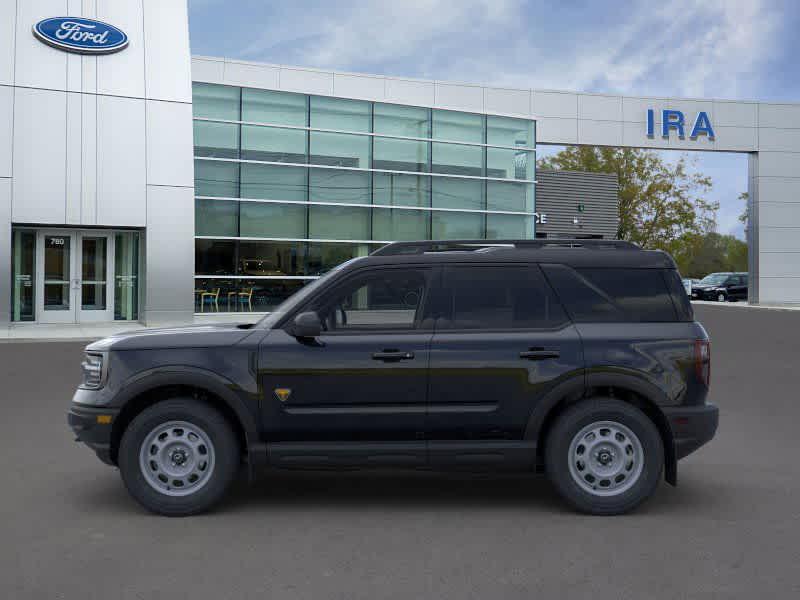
579, 386
223, 388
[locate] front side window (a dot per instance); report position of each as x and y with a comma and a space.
386, 299
498, 297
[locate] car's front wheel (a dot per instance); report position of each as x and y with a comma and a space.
604, 456
721, 297
178, 457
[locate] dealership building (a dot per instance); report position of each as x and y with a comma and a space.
140, 183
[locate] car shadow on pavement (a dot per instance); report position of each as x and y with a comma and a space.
368, 489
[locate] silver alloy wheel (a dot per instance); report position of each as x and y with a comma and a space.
177, 458
606, 458
721, 298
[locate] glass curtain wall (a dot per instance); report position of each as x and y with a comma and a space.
290, 185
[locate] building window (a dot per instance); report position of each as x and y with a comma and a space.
273, 144
339, 150
216, 178
400, 155
126, 276
397, 189
452, 192
338, 223
274, 182
400, 224
215, 101
506, 131
457, 159
404, 121
270, 220
509, 196
271, 259
23, 261
508, 227
354, 171
455, 126
216, 217
278, 108
338, 185
457, 226
218, 140
340, 114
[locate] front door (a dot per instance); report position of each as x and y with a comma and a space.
365, 378
502, 341
73, 272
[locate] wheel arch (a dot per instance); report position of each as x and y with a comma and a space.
622, 386
148, 388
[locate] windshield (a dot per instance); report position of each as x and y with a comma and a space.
268, 321
714, 279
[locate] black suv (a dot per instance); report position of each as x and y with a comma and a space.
722, 287
581, 359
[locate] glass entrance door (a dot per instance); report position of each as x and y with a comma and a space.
55, 274
73, 275
94, 302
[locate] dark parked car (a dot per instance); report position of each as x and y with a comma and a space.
722, 287
581, 359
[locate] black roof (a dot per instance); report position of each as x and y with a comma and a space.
576, 253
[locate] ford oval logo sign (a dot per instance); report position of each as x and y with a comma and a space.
76, 34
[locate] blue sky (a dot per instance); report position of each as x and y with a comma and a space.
740, 49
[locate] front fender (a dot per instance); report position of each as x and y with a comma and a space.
226, 390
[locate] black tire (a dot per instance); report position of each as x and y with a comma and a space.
570, 423
226, 454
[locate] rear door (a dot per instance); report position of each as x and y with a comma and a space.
502, 341
738, 289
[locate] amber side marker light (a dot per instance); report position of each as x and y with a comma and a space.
104, 419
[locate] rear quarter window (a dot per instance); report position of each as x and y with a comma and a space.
615, 294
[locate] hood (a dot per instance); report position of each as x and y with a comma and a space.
187, 336
705, 286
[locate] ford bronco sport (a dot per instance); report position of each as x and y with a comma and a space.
578, 358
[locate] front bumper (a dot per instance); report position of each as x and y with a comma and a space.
92, 426
692, 426
705, 294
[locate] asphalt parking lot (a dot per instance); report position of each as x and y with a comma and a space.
730, 529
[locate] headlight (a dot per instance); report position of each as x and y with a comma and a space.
94, 368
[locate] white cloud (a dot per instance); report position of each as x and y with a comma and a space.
687, 47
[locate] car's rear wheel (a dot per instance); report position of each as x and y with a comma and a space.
178, 457
604, 456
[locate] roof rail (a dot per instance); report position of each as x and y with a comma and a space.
423, 246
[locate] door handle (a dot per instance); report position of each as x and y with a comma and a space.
539, 354
392, 355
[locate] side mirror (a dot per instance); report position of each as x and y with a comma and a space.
307, 325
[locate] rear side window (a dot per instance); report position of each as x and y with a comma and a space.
613, 295
497, 297
680, 299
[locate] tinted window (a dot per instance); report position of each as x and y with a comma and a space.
378, 299
680, 299
613, 295
498, 297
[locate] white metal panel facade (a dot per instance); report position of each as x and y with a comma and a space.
74, 130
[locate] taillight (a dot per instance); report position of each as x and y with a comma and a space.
702, 361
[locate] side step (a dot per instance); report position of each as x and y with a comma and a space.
495, 454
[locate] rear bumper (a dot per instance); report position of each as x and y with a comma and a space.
692, 426
96, 434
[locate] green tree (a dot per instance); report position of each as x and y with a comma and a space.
699, 255
660, 203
